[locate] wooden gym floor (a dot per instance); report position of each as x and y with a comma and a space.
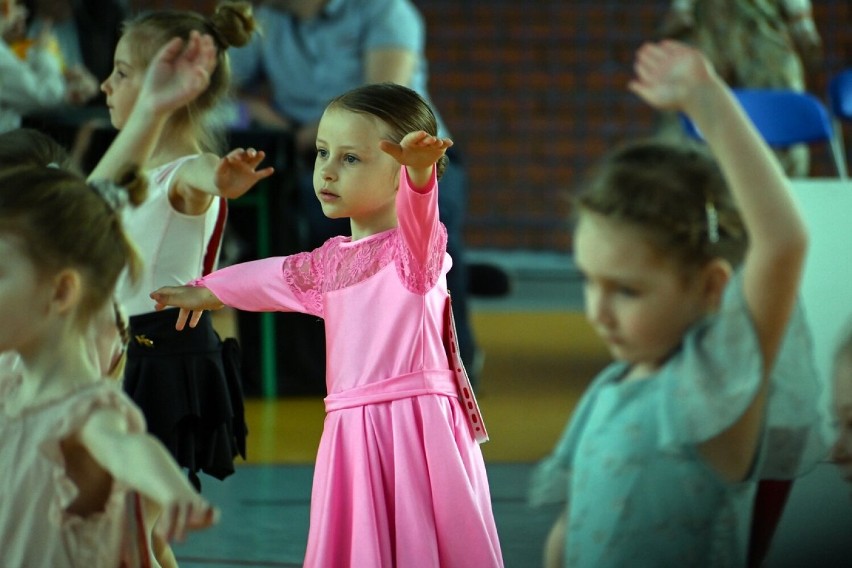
537, 364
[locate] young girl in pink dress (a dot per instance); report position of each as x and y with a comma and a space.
399, 479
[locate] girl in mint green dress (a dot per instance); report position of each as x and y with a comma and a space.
693, 287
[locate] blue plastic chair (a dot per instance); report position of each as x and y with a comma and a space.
784, 118
840, 103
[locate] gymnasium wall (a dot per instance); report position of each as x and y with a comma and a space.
535, 92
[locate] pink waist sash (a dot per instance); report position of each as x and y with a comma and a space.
404, 386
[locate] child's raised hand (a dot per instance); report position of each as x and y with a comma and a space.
669, 74
236, 173
185, 513
179, 73
417, 150
190, 299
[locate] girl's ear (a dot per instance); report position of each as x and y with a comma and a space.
716, 275
67, 290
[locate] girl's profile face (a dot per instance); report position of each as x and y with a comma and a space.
637, 300
352, 176
24, 297
122, 86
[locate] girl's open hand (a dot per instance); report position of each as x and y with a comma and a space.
417, 150
185, 514
236, 173
179, 73
670, 74
190, 299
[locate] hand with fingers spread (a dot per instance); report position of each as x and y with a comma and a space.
417, 150
190, 299
237, 172
179, 72
671, 75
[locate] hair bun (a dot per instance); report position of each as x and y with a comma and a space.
234, 22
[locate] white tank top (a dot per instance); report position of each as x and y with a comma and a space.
171, 244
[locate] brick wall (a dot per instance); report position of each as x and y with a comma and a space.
535, 92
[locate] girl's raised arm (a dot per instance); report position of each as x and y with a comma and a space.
671, 75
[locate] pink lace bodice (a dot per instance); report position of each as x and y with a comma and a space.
395, 438
339, 264
382, 297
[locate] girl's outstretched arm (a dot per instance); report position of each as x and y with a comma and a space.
209, 175
671, 75
176, 75
418, 152
140, 461
190, 299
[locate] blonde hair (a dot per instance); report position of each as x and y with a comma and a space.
232, 24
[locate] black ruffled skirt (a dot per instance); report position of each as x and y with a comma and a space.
189, 386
